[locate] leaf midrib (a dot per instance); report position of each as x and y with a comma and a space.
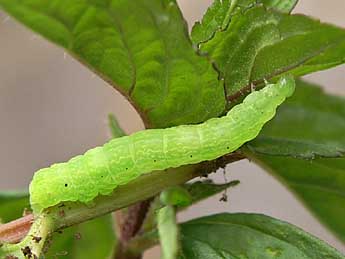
300, 142
215, 249
308, 185
251, 228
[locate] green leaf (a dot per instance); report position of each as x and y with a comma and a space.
140, 47
284, 6
319, 184
219, 14
306, 46
116, 130
216, 18
12, 205
249, 236
260, 44
92, 239
168, 232
197, 191
204, 189
310, 123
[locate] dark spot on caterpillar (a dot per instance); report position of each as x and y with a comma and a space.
155, 160
61, 205
66, 184
191, 155
126, 168
227, 147
60, 231
26, 251
36, 239
101, 176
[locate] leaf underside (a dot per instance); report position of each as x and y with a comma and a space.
319, 184
310, 124
303, 146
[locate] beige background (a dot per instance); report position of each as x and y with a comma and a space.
52, 108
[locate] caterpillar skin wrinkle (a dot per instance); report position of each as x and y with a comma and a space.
100, 170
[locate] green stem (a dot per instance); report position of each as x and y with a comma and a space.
144, 187
32, 245
69, 213
141, 243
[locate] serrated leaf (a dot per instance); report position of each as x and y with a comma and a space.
310, 123
306, 46
142, 48
216, 18
319, 184
284, 6
12, 205
249, 236
262, 44
168, 232
219, 14
92, 239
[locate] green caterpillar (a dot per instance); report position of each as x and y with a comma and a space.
100, 170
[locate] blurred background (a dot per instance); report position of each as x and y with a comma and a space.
52, 108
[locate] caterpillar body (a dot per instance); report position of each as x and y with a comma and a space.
100, 170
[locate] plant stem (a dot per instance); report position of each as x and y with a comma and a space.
70, 213
130, 226
135, 217
143, 242
14, 231
144, 187
32, 245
